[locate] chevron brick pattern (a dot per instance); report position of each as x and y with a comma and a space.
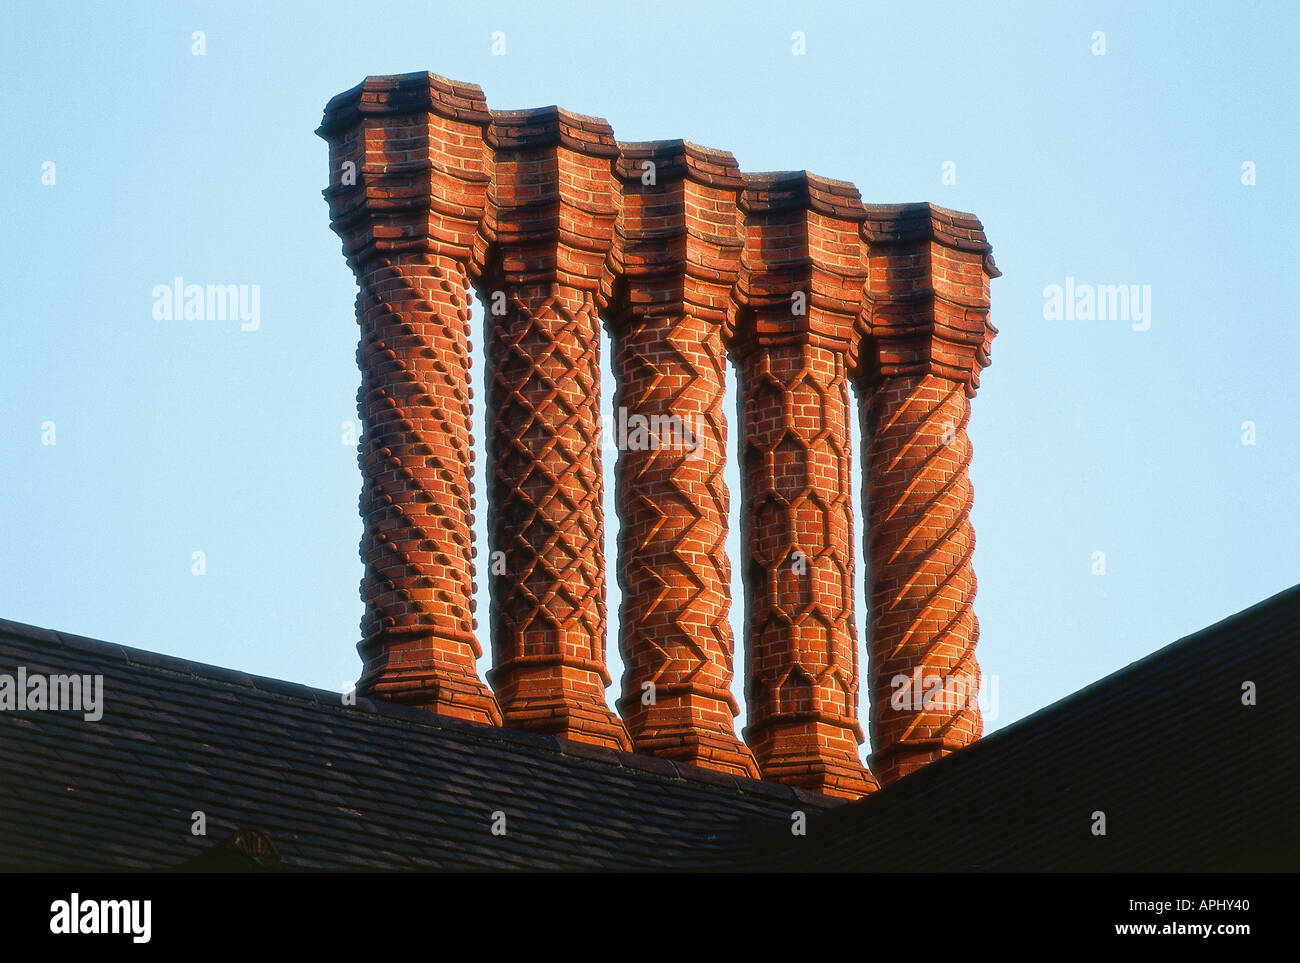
676, 578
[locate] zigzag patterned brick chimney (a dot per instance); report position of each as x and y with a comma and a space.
691, 265
677, 261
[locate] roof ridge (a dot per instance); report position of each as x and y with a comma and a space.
1040, 718
1200, 635
325, 698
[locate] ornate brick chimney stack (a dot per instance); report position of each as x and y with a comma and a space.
678, 259
408, 183
795, 345
691, 264
927, 311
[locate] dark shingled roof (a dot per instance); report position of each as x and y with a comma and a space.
371, 786
1188, 777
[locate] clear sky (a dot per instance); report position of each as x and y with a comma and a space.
1090, 436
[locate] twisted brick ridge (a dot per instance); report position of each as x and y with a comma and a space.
416, 457
792, 278
923, 586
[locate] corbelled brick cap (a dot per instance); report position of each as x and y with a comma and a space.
808, 290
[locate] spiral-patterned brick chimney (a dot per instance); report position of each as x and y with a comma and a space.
408, 179
693, 267
927, 300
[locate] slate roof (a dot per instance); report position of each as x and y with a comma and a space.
1188, 777
375, 786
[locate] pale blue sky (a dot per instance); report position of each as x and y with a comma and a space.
174, 437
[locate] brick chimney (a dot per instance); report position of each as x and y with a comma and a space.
694, 267
408, 183
794, 347
679, 250
549, 231
927, 314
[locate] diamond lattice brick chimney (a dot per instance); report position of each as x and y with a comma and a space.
692, 266
550, 230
